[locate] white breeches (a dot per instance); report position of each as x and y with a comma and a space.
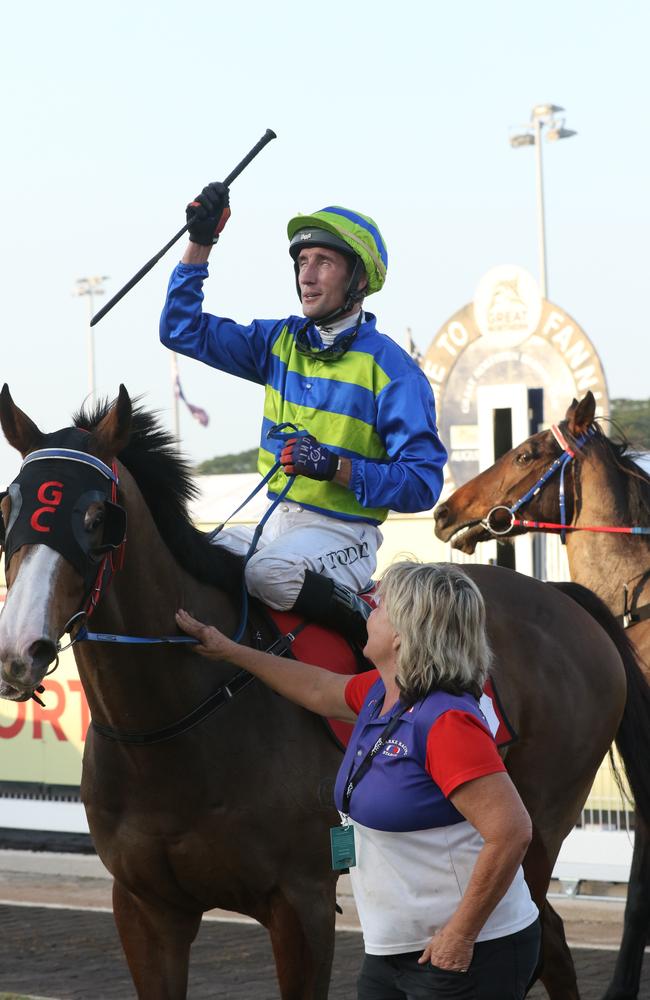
294, 540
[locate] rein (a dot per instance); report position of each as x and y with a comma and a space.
221, 697
552, 526
276, 434
101, 584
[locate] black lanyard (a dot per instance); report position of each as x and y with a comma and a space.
364, 766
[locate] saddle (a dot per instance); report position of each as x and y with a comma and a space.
324, 647
313, 643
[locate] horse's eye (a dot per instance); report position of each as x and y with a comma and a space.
93, 519
523, 458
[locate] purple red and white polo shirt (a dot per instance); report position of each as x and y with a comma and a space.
415, 851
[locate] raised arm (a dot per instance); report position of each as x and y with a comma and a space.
196, 254
321, 691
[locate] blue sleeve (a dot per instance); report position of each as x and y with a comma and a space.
216, 341
411, 480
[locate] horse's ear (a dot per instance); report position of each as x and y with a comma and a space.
111, 435
580, 415
20, 431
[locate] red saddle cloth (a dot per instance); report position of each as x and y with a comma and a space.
324, 648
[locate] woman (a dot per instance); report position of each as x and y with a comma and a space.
439, 829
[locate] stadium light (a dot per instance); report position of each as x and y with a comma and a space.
542, 118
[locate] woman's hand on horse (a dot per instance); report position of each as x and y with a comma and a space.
315, 688
211, 642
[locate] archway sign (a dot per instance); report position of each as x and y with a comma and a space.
507, 336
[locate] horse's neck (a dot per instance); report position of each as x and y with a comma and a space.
142, 600
605, 562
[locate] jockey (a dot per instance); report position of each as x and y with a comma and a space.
367, 440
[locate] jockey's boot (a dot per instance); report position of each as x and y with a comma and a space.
328, 603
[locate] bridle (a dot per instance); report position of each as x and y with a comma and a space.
110, 556
629, 617
112, 560
559, 464
107, 557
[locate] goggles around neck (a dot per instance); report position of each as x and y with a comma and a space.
333, 351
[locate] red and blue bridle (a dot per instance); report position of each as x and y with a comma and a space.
560, 464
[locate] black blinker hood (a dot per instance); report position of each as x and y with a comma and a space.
49, 500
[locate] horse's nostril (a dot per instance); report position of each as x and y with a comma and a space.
440, 512
42, 652
15, 669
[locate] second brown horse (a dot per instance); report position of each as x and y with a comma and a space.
604, 488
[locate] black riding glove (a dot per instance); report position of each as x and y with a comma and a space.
208, 214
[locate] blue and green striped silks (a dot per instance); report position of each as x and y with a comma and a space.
373, 405
348, 389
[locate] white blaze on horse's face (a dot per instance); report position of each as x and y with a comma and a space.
27, 644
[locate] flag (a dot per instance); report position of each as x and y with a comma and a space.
197, 411
411, 348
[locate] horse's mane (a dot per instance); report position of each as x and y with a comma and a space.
638, 480
620, 453
165, 481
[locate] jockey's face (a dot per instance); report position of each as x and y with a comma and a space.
323, 276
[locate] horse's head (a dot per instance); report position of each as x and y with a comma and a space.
59, 519
460, 517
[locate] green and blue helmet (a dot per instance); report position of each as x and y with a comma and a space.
350, 233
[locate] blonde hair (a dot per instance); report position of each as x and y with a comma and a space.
439, 614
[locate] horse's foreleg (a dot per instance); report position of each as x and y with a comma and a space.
301, 927
555, 969
156, 942
627, 973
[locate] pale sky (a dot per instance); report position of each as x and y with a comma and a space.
115, 115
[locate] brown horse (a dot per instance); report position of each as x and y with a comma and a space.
192, 808
604, 487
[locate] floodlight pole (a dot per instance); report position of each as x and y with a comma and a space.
541, 222
542, 115
91, 286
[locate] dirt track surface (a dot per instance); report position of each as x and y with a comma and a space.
57, 944
75, 955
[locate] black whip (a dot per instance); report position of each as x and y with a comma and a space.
266, 138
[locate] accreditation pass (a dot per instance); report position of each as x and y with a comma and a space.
342, 845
